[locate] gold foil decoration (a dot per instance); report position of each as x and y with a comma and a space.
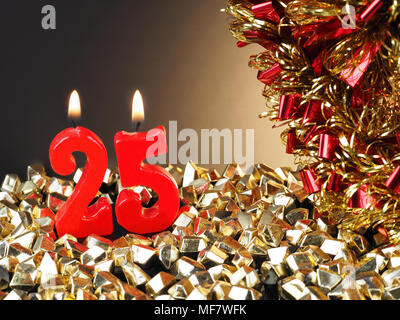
185, 267
328, 279
160, 283
55, 201
192, 244
181, 290
211, 252
245, 276
168, 255
134, 274
295, 289
243, 293
11, 183
300, 260
143, 255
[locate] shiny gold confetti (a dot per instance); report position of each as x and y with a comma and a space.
334, 87
272, 247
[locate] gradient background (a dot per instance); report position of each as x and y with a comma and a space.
179, 53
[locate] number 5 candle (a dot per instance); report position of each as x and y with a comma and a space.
132, 149
75, 217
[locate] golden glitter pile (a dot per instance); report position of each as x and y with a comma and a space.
238, 236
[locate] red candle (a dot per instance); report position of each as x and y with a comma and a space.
132, 149
75, 217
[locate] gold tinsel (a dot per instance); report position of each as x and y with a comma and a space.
368, 152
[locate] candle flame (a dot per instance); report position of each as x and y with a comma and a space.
137, 107
74, 108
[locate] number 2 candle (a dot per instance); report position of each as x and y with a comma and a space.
132, 149
75, 217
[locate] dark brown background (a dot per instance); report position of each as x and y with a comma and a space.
179, 53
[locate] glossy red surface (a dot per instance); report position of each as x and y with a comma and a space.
132, 149
75, 217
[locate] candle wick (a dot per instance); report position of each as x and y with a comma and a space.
137, 126
73, 122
